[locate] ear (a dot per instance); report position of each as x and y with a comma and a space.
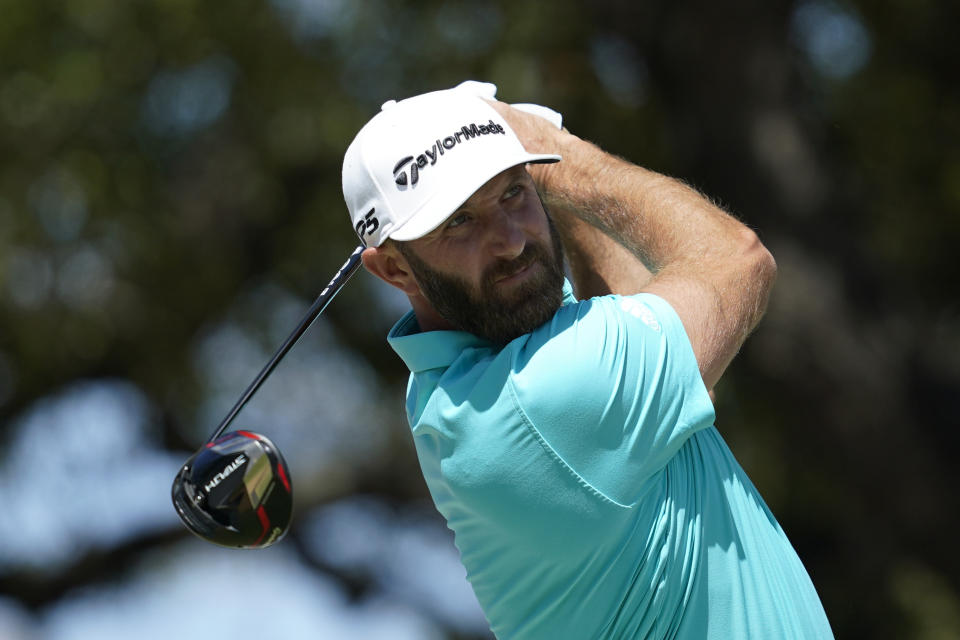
389, 265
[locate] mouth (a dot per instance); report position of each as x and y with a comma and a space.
516, 274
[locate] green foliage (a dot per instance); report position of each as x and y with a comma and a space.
160, 157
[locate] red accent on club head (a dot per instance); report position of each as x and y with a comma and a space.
208, 445
249, 434
283, 477
265, 521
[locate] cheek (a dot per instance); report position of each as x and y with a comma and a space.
535, 221
460, 260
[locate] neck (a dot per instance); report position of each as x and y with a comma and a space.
427, 317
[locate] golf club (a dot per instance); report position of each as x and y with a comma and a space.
236, 490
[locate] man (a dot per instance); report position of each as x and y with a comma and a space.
569, 442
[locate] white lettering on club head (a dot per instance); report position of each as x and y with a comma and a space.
225, 472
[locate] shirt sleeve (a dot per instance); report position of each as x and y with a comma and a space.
611, 386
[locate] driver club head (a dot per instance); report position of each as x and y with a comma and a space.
235, 492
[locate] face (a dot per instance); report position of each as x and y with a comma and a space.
495, 267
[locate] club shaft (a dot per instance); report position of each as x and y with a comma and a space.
348, 269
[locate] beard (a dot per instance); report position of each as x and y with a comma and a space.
498, 316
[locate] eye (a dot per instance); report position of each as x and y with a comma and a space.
513, 191
457, 220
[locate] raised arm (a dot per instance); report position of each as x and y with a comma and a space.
712, 269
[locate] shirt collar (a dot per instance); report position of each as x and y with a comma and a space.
423, 350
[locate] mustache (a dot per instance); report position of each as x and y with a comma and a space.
503, 268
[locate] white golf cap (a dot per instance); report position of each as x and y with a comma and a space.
414, 163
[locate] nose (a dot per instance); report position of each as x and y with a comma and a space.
506, 237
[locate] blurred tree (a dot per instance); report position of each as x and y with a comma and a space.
164, 158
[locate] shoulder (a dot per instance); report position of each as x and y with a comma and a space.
593, 345
597, 327
612, 386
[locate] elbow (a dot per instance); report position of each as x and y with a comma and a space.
765, 266
760, 272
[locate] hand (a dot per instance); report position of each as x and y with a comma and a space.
536, 134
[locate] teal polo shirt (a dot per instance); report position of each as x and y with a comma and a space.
588, 491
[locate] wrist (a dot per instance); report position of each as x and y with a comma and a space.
551, 179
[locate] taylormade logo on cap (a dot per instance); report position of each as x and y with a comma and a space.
430, 156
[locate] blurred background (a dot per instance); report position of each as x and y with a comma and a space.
170, 204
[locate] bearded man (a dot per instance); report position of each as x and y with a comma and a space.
566, 432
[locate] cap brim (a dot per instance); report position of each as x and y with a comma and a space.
443, 205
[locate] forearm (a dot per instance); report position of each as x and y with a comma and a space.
708, 265
659, 220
